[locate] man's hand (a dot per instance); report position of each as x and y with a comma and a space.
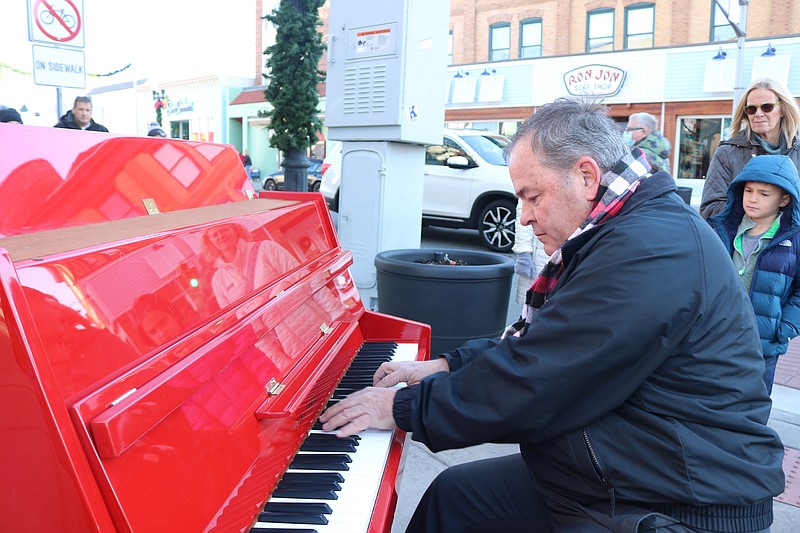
408, 372
367, 408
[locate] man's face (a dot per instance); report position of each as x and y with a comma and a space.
82, 111
638, 131
554, 205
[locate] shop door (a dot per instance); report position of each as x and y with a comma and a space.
698, 138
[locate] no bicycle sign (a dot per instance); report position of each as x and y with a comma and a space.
56, 22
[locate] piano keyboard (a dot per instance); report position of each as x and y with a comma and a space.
332, 483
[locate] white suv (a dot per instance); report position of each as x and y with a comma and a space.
466, 185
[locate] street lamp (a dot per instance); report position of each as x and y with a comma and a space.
160, 99
741, 34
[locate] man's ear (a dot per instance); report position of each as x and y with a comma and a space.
590, 174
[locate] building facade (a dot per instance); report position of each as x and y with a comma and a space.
508, 58
678, 60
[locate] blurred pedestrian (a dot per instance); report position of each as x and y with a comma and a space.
10, 115
760, 227
766, 121
642, 132
530, 257
155, 130
80, 117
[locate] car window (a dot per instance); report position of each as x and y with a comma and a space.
315, 165
438, 154
490, 147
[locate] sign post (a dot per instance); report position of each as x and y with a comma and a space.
59, 24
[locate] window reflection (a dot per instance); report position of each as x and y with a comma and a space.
699, 138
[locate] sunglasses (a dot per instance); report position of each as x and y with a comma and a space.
634, 129
766, 108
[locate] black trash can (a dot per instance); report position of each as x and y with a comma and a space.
686, 194
460, 302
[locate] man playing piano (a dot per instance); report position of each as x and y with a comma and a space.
632, 383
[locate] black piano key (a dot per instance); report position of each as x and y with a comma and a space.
374, 345
331, 437
305, 493
267, 529
321, 461
293, 518
329, 445
313, 477
311, 485
297, 508
327, 485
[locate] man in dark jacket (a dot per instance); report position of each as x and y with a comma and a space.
80, 117
632, 383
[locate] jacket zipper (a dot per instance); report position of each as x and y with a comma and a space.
598, 470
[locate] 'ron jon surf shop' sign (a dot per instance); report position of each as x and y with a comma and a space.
595, 80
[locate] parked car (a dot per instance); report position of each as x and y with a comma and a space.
466, 185
274, 181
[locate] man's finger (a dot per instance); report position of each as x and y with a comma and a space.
388, 380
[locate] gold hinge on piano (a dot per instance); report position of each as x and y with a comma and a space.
150, 206
325, 328
274, 387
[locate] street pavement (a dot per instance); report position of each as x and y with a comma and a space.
420, 466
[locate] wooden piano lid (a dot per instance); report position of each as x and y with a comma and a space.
44, 243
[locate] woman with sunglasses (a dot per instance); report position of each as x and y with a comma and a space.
766, 121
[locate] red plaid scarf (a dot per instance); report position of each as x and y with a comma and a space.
616, 187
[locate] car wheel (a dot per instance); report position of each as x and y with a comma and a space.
270, 185
496, 225
315, 186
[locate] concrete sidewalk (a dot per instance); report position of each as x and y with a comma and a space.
420, 466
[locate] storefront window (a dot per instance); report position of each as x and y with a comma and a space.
698, 138
179, 129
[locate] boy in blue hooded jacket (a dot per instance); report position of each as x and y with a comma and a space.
760, 226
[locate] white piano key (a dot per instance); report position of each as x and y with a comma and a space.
352, 511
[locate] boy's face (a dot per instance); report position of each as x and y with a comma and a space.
762, 201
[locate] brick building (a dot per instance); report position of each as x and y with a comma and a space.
524, 52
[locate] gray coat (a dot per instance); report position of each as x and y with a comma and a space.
729, 159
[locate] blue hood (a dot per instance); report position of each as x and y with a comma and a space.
774, 169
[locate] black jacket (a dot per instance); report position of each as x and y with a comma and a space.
640, 380
68, 121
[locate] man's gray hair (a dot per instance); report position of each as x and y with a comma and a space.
645, 119
563, 131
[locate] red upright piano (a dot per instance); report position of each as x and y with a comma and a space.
168, 339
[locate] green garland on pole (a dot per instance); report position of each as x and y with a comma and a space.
294, 75
28, 73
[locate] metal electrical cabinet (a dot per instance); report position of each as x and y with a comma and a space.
386, 70
385, 101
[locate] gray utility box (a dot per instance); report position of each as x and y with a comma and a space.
386, 70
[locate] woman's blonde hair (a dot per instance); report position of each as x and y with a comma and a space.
209, 252
791, 113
